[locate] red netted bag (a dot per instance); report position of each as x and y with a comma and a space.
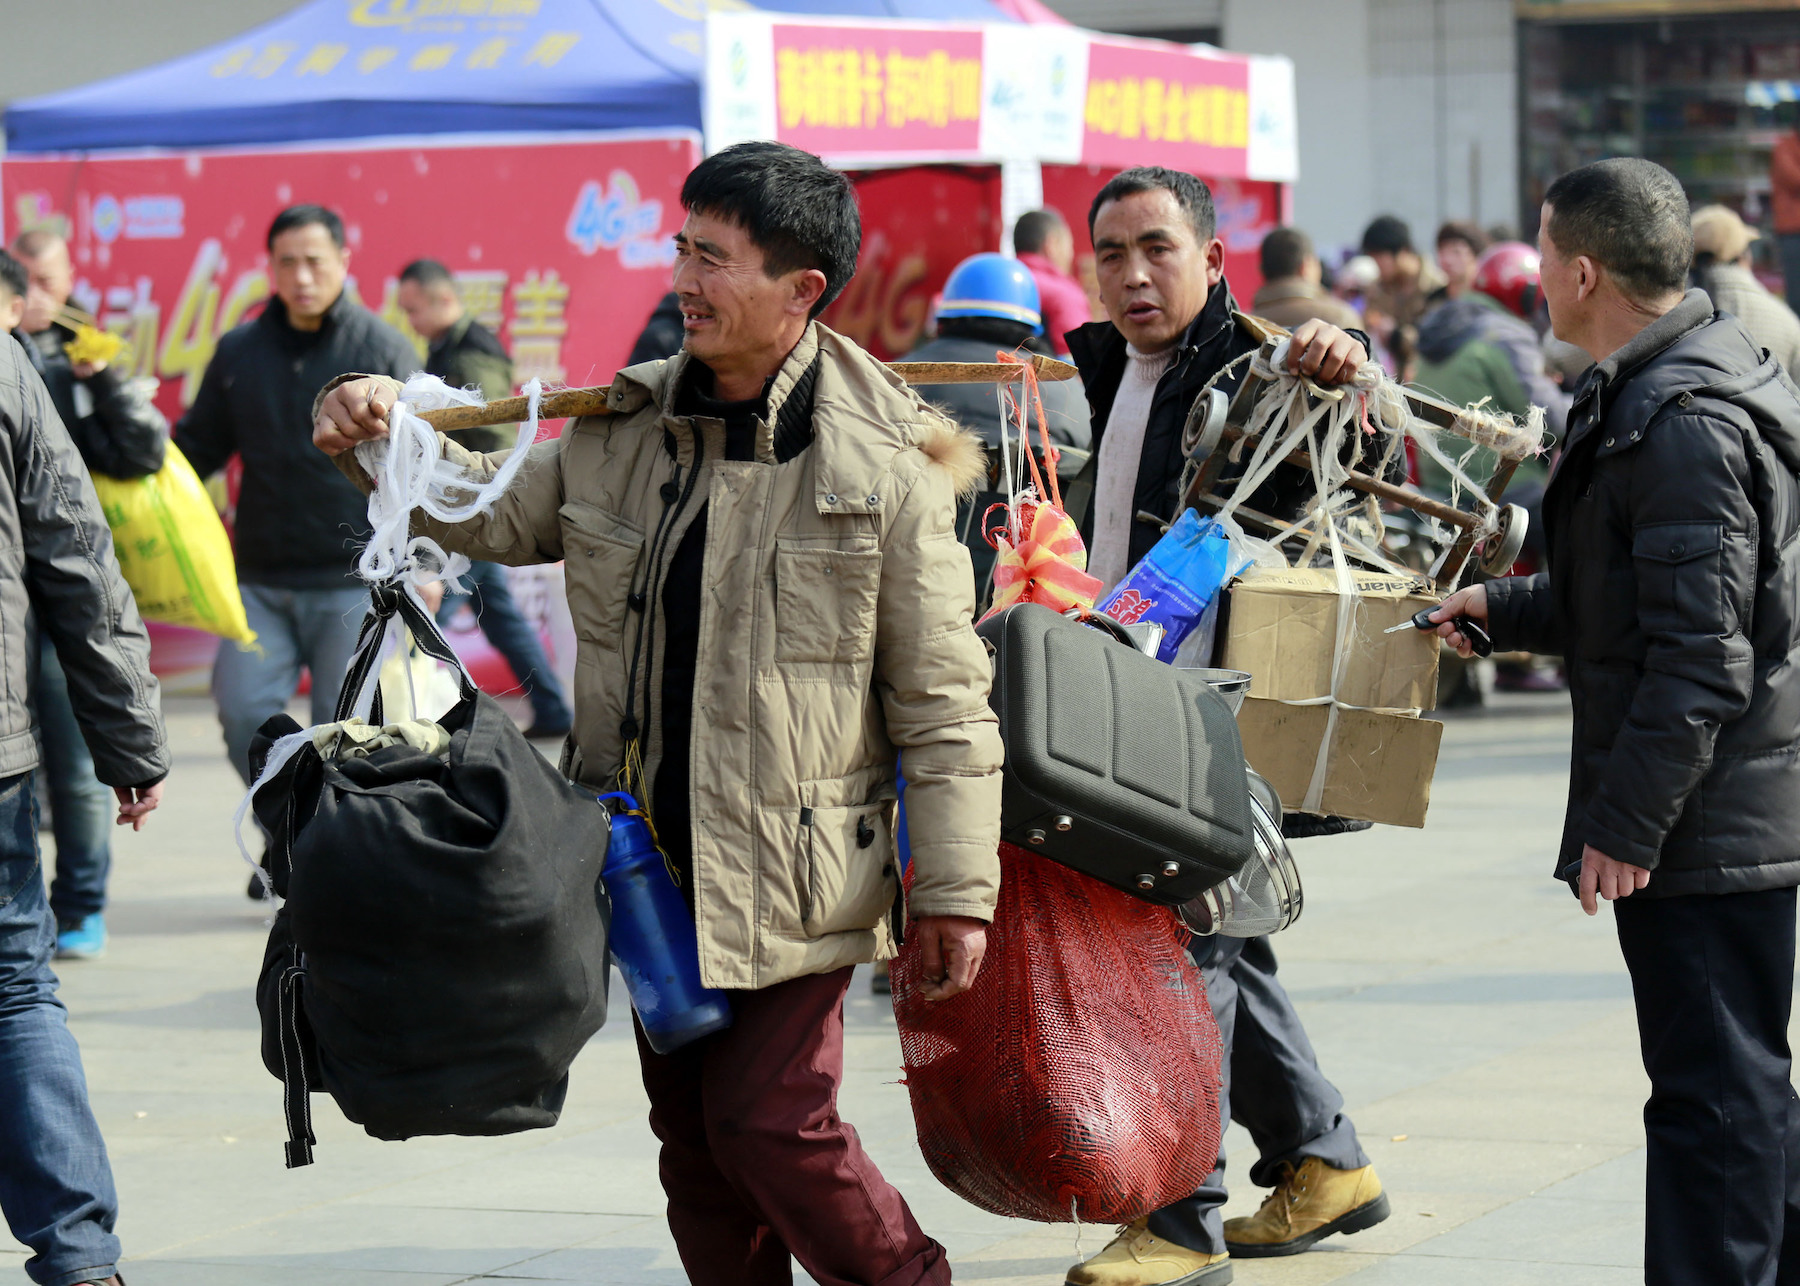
1080, 1074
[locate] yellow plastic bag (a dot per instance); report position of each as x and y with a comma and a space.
173, 549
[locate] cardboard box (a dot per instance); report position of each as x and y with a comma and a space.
1380, 763
1283, 629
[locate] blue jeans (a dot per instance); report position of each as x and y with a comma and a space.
81, 809
514, 638
315, 628
1272, 1087
56, 1187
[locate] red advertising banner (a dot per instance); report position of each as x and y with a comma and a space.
918, 224
1167, 107
562, 248
1247, 212
865, 89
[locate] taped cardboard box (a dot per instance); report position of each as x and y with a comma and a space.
1283, 628
1378, 767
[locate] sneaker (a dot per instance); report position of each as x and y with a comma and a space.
548, 730
1138, 1257
1308, 1205
880, 984
83, 939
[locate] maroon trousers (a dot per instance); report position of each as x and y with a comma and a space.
758, 1165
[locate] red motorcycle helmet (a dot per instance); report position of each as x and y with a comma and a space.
1509, 273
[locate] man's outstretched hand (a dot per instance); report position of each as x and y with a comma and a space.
136, 803
950, 948
354, 412
1325, 353
1470, 601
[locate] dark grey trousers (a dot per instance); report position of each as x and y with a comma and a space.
1272, 1087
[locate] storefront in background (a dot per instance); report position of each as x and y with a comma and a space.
1684, 85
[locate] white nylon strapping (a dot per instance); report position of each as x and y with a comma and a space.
410, 473
1282, 421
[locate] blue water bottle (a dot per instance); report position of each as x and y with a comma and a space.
653, 939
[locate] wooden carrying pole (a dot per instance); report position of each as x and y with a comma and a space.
571, 402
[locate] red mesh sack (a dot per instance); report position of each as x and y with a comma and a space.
1080, 1074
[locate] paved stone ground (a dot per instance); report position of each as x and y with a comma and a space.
1479, 1026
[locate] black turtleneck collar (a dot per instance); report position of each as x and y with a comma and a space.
793, 422
275, 316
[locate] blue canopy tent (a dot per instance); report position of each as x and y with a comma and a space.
347, 69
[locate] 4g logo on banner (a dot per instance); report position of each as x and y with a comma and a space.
620, 220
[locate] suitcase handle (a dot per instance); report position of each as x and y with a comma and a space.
1102, 622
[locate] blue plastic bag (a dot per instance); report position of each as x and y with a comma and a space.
1175, 581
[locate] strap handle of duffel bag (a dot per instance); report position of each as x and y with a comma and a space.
296, 1045
362, 687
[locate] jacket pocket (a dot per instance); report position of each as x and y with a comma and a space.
825, 600
1680, 589
601, 553
847, 879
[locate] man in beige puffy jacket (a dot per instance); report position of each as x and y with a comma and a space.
771, 602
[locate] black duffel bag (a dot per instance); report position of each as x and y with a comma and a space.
441, 956
1117, 765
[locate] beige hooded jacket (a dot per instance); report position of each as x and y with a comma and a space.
835, 628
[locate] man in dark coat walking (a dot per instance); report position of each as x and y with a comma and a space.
1673, 591
299, 521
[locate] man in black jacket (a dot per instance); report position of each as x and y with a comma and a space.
120, 433
466, 354
59, 577
299, 521
1673, 591
1172, 328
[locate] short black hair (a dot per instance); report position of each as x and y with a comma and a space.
1388, 234
1470, 234
1193, 196
426, 273
299, 216
1631, 217
14, 280
1284, 253
797, 210
1033, 229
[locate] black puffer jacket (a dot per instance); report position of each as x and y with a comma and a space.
1673, 522
58, 574
299, 521
1214, 340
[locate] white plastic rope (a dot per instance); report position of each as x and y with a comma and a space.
411, 473
1293, 413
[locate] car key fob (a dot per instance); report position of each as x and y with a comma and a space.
1478, 637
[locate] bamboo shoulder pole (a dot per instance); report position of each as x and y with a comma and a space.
572, 402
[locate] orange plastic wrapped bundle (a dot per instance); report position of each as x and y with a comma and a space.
1039, 557
1080, 1074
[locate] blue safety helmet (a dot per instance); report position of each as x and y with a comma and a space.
992, 285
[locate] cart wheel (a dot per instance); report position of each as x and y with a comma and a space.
1502, 548
1205, 423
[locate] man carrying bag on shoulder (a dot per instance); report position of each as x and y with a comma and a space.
771, 602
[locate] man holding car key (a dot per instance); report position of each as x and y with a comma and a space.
1673, 592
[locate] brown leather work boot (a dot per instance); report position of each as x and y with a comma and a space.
1138, 1257
1309, 1204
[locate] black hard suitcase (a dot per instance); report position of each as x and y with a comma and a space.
1117, 765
